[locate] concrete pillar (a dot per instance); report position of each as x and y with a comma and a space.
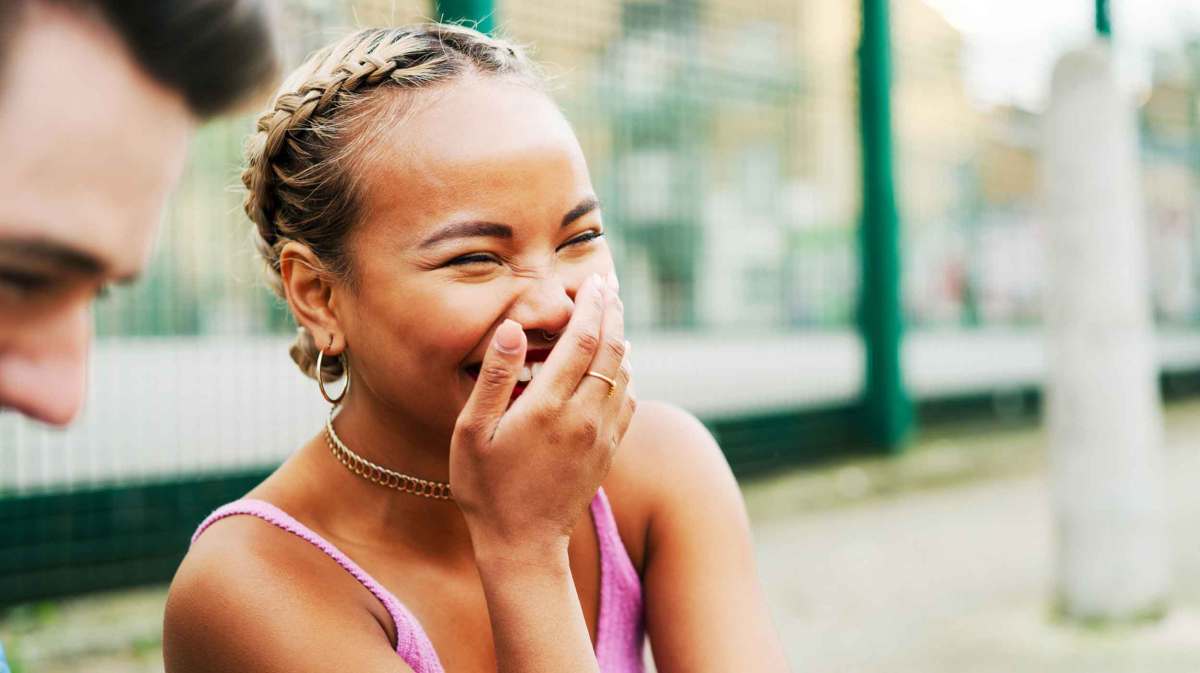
1103, 411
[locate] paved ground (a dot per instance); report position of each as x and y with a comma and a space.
942, 562
937, 561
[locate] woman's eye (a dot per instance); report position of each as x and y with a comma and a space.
583, 238
473, 259
480, 258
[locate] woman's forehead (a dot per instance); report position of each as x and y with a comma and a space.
472, 120
481, 149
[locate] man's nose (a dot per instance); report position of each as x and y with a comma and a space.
43, 370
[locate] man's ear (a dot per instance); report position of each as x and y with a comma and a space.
309, 289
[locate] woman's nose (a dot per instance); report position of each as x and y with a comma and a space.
546, 304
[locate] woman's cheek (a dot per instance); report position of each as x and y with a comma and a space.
574, 274
468, 314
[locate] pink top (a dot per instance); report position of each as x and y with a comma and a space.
619, 631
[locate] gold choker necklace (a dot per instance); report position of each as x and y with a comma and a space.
381, 475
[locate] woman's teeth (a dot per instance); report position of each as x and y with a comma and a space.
529, 372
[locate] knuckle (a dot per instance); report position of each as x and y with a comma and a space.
616, 348
494, 375
587, 342
469, 429
588, 430
631, 403
625, 374
555, 438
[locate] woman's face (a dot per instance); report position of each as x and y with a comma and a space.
477, 207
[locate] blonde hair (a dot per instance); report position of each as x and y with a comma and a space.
300, 178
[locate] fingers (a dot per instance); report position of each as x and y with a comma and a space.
611, 353
625, 415
624, 377
497, 376
572, 355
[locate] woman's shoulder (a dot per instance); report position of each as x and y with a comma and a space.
246, 583
663, 442
666, 456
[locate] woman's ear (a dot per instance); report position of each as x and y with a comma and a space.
309, 290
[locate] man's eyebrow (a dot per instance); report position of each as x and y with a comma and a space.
585, 206
56, 254
469, 230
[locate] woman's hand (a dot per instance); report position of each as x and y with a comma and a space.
523, 476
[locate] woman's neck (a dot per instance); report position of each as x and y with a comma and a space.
392, 439
359, 511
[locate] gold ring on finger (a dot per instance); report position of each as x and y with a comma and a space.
612, 385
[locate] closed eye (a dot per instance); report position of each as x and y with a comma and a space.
477, 258
481, 258
586, 237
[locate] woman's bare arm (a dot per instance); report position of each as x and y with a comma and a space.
536, 616
705, 608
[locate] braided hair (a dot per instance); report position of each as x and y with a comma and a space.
301, 161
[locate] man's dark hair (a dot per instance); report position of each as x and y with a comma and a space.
213, 52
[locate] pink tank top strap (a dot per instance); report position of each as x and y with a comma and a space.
412, 644
620, 633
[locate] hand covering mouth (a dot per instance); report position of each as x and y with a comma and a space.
534, 361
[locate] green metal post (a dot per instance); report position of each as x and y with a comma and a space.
887, 408
1103, 20
479, 13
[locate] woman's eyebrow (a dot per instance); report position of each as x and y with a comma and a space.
585, 206
469, 230
476, 228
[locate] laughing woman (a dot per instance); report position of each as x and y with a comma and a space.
484, 495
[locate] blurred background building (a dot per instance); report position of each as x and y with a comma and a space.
724, 140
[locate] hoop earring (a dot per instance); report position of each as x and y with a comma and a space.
321, 382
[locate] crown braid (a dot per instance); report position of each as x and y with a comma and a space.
300, 161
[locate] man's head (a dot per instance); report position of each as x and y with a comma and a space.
97, 101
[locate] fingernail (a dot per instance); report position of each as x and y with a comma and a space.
613, 283
508, 336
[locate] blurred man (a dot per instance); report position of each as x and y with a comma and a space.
98, 99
